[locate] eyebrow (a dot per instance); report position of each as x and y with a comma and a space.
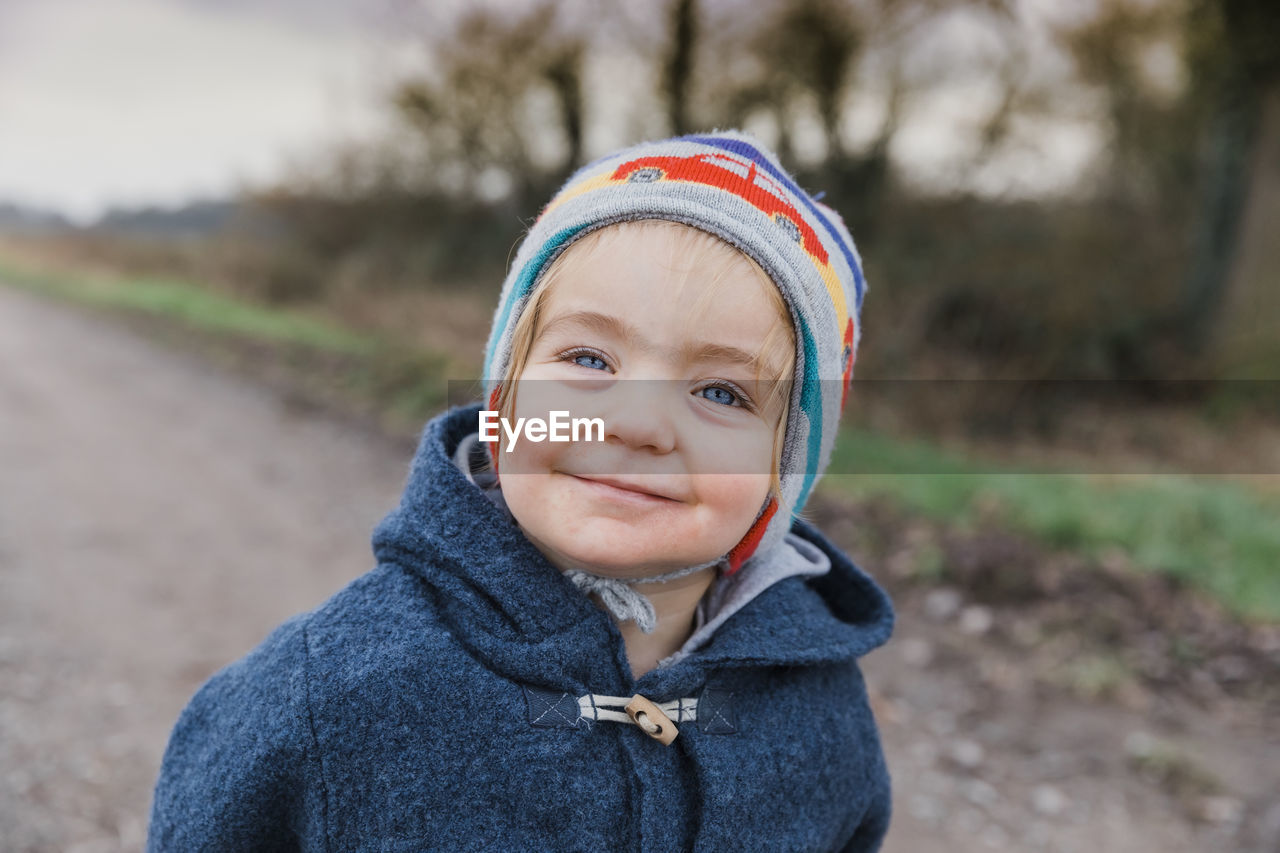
722, 353
592, 321
609, 325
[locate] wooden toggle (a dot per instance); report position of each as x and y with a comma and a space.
651, 720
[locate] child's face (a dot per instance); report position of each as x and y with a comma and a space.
688, 452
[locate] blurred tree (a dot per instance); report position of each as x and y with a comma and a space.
802, 52
1246, 344
813, 45
564, 74
789, 67
800, 68
480, 119
1084, 284
677, 71
1185, 153
1144, 117
1235, 57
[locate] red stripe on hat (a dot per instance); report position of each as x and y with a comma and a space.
848, 356
733, 174
744, 549
493, 405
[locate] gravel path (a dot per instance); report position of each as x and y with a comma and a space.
158, 517
157, 520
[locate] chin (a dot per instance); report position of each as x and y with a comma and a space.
623, 559
610, 541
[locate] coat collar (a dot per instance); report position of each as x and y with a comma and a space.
516, 611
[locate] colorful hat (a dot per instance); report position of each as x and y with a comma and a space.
727, 184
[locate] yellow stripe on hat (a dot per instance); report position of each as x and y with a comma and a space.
583, 187
836, 292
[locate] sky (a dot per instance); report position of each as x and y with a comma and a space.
116, 102
155, 102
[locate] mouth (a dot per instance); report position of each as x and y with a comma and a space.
610, 487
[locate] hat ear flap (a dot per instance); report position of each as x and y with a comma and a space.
493, 405
748, 544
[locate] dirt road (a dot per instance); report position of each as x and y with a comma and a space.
158, 517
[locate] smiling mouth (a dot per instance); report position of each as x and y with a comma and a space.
623, 490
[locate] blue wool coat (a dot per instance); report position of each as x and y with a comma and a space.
443, 701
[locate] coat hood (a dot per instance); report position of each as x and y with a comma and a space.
519, 614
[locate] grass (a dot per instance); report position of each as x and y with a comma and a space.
197, 307
403, 383
1217, 534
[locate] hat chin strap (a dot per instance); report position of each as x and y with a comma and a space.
622, 601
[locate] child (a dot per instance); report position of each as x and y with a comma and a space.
628, 642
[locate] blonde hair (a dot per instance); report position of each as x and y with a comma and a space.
693, 247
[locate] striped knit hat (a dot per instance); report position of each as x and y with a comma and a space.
727, 184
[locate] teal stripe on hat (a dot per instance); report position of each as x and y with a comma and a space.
811, 405
524, 285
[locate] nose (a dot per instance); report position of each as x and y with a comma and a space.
640, 415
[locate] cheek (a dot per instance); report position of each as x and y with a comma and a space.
527, 495
734, 498
526, 481
536, 498
733, 452
729, 503
528, 457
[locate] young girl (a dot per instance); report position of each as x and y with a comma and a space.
626, 641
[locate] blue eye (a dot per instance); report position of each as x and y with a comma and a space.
719, 394
587, 357
594, 362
